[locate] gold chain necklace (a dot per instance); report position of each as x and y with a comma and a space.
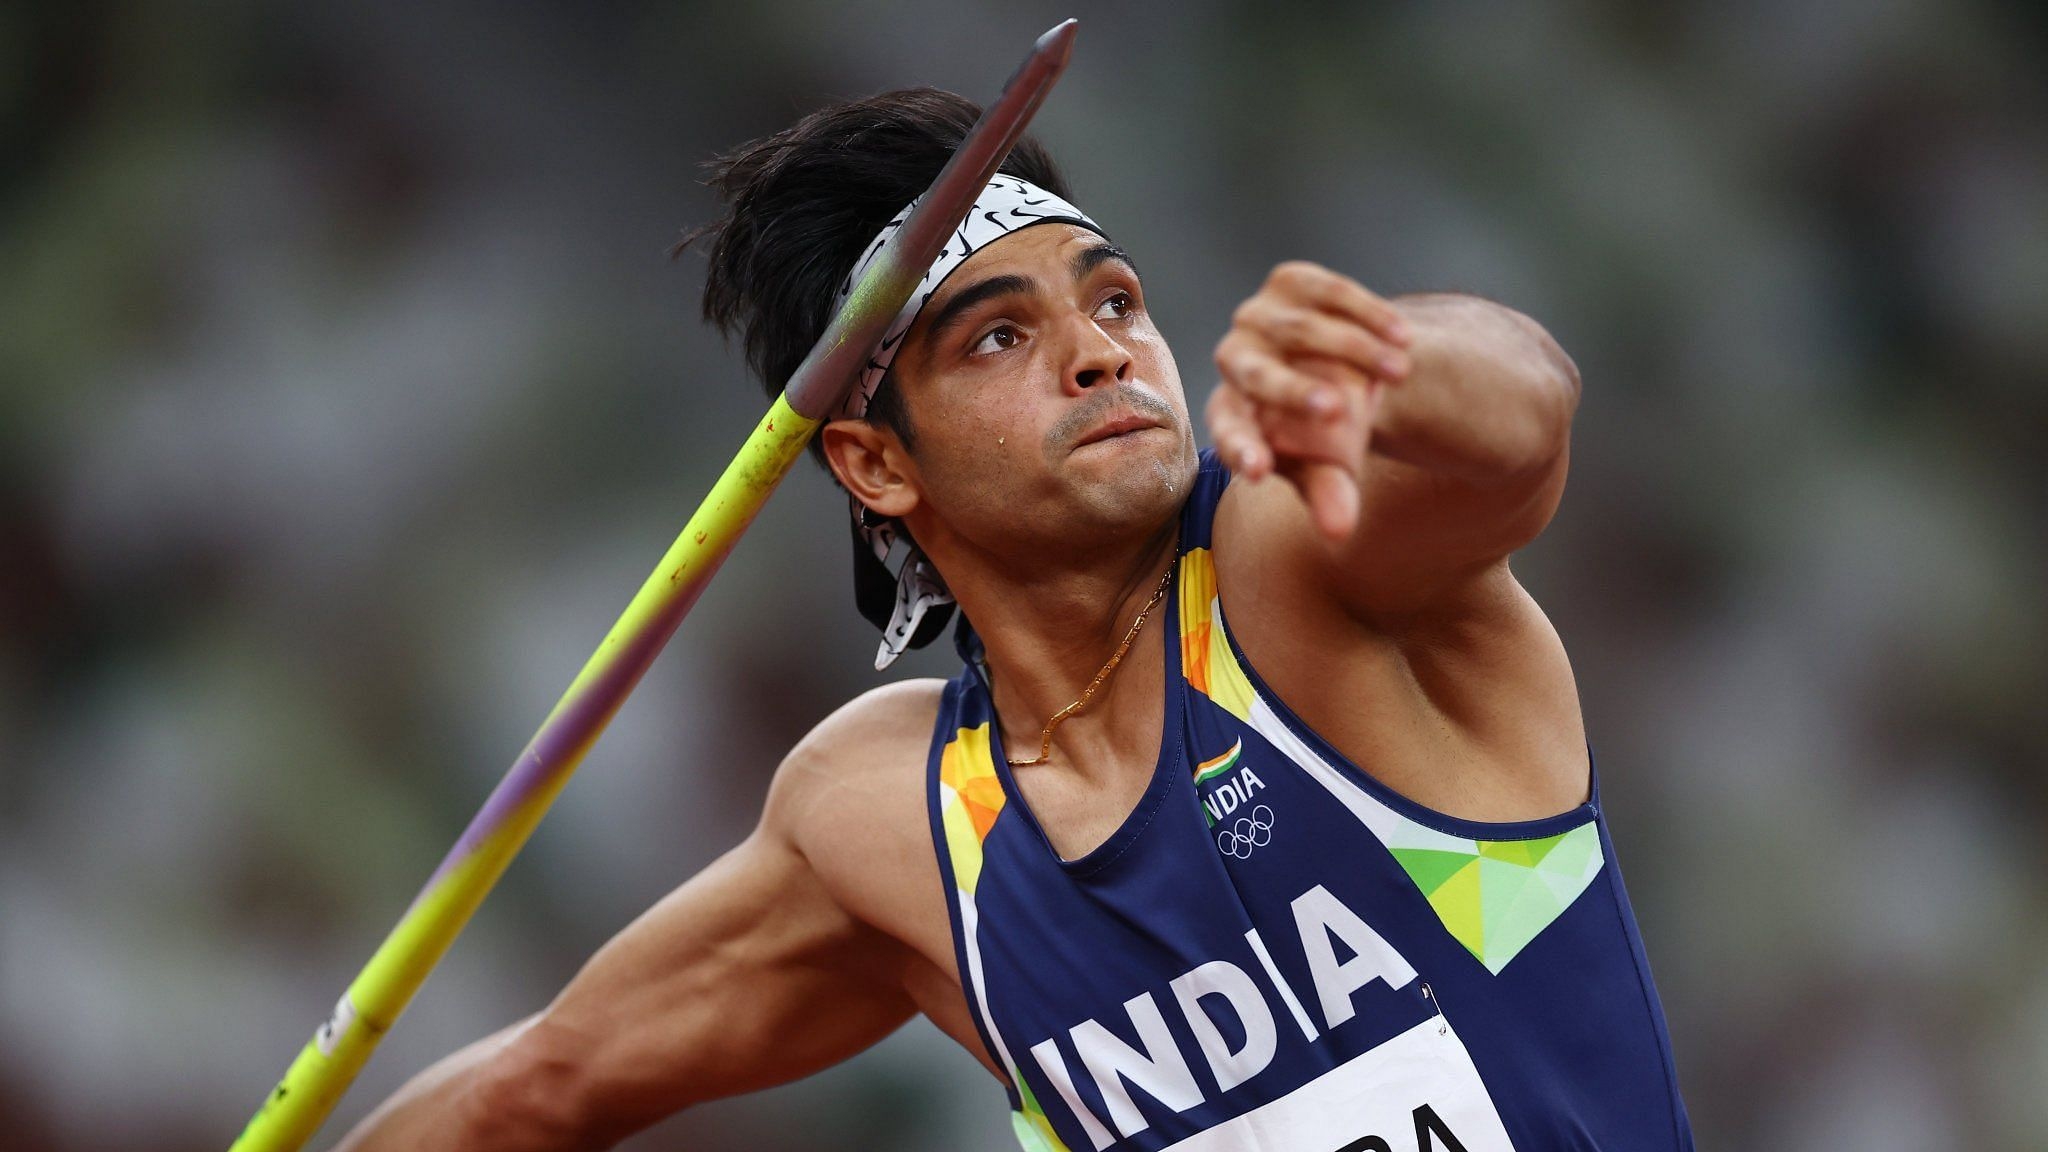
1088, 693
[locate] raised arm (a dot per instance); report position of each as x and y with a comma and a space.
1421, 440
1427, 437
749, 975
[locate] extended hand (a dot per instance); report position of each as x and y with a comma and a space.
1303, 365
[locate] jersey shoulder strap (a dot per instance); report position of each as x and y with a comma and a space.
1198, 515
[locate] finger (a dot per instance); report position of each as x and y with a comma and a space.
1296, 441
1234, 428
1362, 394
1331, 493
1334, 292
1267, 379
1298, 331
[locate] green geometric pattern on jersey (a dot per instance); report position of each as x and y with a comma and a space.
1499, 896
1493, 896
1033, 1130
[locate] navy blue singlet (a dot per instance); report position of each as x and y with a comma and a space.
1276, 953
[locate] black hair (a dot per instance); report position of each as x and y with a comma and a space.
802, 204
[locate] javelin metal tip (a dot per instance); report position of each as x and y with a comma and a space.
1059, 39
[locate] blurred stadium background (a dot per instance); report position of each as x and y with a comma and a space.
347, 390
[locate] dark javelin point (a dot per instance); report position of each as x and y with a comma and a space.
1059, 37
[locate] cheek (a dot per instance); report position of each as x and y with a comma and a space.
1149, 349
1013, 410
980, 443
1156, 365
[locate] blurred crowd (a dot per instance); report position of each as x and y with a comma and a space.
347, 390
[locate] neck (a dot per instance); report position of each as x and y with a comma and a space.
1048, 632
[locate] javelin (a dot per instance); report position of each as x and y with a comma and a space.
329, 1062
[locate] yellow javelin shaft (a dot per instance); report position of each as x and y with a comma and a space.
328, 1063
330, 1060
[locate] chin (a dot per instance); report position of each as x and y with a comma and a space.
1132, 481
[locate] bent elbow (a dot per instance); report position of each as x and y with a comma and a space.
1548, 386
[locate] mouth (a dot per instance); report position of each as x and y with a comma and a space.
1119, 425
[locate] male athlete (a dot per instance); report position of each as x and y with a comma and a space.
1260, 816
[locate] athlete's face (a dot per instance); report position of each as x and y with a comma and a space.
1043, 403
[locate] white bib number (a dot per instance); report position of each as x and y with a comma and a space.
1418, 1092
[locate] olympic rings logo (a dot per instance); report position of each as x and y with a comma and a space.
1249, 832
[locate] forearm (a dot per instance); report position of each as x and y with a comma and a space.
748, 976
486, 1096
1489, 398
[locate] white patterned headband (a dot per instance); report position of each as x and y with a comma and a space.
911, 604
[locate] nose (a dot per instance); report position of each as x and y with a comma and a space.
1097, 359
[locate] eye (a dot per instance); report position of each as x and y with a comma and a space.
996, 340
1119, 305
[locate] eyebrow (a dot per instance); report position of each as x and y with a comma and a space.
952, 311
1095, 256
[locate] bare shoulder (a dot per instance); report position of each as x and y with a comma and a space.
863, 755
1492, 666
850, 798
1468, 707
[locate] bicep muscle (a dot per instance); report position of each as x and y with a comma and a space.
749, 975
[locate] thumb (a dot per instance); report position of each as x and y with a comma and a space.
1332, 494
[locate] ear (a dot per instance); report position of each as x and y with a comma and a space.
872, 464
